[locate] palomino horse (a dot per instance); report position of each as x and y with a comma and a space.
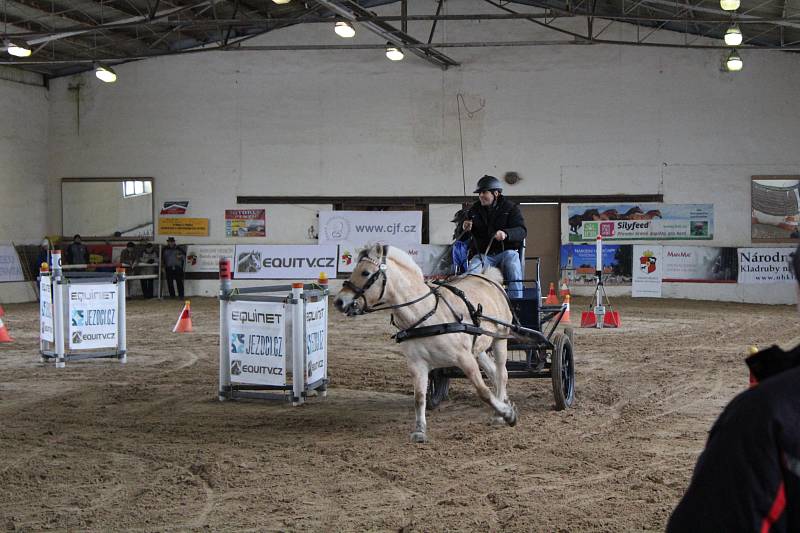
387, 278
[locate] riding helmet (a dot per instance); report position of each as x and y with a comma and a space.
489, 183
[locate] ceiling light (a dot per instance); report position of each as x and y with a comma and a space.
343, 29
281, 1
729, 5
733, 37
734, 62
105, 74
393, 53
18, 48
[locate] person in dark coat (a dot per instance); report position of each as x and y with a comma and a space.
748, 476
496, 230
77, 253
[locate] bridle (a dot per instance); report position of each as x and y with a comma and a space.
372, 279
380, 273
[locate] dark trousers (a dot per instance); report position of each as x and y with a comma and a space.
147, 288
175, 273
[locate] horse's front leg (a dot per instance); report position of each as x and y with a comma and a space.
419, 371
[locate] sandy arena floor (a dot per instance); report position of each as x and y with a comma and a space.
147, 447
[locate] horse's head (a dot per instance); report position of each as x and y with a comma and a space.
367, 284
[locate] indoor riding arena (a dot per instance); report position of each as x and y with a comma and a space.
355, 265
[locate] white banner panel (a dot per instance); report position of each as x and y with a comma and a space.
699, 264
257, 342
387, 227
10, 268
263, 261
425, 255
93, 315
647, 268
46, 310
205, 258
316, 340
765, 265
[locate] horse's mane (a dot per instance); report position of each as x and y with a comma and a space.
403, 258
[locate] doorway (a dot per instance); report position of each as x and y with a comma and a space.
544, 240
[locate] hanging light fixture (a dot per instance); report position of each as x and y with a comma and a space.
17, 48
344, 29
734, 62
733, 36
394, 53
730, 5
281, 1
105, 74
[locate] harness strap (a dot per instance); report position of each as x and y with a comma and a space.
425, 317
444, 329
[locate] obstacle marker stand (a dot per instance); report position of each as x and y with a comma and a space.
272, 346
598, 316
88, 308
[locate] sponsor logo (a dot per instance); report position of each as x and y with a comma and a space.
315, 315
337, 229
315, 365
347, 258
298, 262
249, 262
237, 342
265, 370
236, 368
76, 337
77, 318
86, 296
315, 342
255, 317
647, 262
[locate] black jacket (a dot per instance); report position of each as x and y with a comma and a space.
748, 476
503, 215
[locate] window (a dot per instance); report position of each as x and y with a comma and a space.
136, 188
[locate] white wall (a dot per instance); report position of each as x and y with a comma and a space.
595, 119
23, 168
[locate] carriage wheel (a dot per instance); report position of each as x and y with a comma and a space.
562, 372
438, 385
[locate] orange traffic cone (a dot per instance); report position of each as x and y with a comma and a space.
4, 336
184, 323
551, 299
564, 292
565, 318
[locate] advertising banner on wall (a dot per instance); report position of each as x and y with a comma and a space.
10, 267
775, 208
316, 340
578, 263
653, 222
300, 261
765, 265
205, 258
175, 207
93, 316
389, 227
704, 264
429, 257
188, 227
245, 223
257, 332
647, 271
46, 331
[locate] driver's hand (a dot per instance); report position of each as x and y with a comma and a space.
500, 235
467, 225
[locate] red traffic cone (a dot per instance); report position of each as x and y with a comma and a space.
184, 323
4, 336
564, 292
565, 318
551, 299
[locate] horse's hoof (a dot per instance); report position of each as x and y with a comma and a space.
419, 437
497, 420
511, 418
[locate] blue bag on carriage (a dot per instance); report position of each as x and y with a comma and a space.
460, 256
